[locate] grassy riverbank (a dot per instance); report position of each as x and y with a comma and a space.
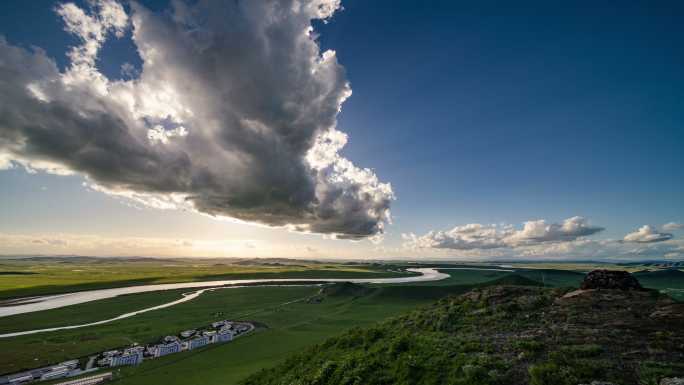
41, 276
44, 348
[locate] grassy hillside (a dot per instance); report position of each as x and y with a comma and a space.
288, 329
504, 335
291, 324
669, 281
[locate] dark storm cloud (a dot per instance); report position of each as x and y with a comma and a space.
232, 115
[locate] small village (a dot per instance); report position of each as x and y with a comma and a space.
216, 333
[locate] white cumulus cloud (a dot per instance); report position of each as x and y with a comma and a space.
647, 234
477, 236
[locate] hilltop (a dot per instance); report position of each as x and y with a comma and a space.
340, 289
344, 289
506, 334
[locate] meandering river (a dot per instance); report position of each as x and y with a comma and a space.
32, 304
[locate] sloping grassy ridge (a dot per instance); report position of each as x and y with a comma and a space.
504, 335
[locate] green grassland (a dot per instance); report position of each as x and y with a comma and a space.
31, 277
86, 312
288, 324
289, 330
43, 348
287, 327
303, 323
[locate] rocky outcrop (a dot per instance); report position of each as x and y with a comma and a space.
610, 279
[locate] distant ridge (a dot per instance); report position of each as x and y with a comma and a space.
666, 273
436, 292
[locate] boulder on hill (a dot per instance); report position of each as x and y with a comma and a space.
610, 279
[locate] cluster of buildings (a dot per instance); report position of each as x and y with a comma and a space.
47, 373
128, 356
217, 332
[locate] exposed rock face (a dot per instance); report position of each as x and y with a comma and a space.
610, 279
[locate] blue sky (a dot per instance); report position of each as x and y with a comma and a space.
474, 112
502, 114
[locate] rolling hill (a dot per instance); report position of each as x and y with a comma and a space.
504, 335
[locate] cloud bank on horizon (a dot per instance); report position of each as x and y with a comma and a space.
673, 226
233, 114
478, 236
648, 234
539, 238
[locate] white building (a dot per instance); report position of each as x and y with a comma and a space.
71, 364
57, 372
164, 349
169, 339
198, 342
225, 335
130, 356
188, 333
213, 336
20, 378
107, 361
